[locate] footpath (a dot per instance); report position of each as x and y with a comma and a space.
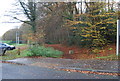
82, 65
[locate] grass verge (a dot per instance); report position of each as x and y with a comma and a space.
13, 54
110, 57
32, 51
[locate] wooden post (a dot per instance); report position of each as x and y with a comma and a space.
18, 51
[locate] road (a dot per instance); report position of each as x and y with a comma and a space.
13, 71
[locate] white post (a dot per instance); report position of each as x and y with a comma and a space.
118, 34
18, 35
16, 38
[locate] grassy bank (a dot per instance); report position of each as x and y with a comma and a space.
31, 51
12, 55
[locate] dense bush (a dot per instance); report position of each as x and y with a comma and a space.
43, 51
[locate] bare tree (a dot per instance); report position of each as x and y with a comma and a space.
29, 9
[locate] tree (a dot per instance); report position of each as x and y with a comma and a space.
25, 31
29, 9
57, 13
96, 27
11, 35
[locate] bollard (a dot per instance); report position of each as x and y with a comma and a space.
71, 52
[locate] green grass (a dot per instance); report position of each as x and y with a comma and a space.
12, 55
33, 51
9, 42
6, 42
110, 57
19, 45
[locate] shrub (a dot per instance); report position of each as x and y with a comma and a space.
26, 53
43, 51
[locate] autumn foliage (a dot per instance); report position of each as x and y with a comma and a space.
96, 27
90, 24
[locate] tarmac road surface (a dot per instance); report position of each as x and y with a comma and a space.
14, 71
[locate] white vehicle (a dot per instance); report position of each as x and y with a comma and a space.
4, 47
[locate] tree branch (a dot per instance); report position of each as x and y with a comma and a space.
27, 22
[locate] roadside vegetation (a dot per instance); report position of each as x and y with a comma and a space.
32, 51
43, 51
59, 25
109, 57
13, 54
51, 50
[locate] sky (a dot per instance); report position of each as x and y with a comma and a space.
5, 6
